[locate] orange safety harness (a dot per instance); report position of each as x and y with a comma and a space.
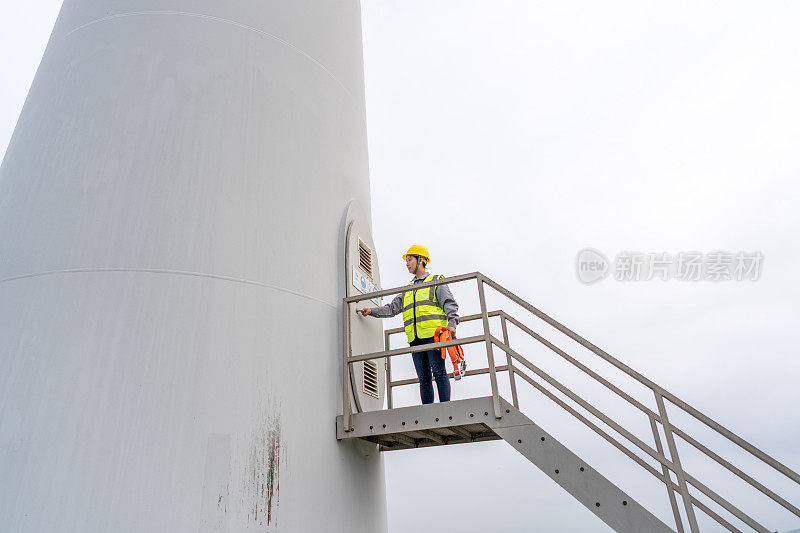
456, 352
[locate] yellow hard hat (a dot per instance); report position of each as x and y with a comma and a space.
416, 249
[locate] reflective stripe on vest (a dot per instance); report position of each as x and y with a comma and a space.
422, 313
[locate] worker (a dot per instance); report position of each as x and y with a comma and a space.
423, 311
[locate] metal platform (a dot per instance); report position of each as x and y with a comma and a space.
420, 426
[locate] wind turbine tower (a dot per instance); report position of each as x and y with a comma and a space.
183, 204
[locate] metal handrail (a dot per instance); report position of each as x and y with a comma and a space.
475, 372
654, 417
514, 359
794, 476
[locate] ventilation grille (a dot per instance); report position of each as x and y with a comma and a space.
365, 258
371, 378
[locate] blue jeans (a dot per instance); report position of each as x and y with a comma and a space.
431, 363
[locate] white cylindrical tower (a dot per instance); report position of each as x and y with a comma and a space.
174, 207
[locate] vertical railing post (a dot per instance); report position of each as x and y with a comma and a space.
511, 379
388, 371
673, 452
346, 366
667, 481
489, 354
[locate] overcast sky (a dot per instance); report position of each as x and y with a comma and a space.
508, 136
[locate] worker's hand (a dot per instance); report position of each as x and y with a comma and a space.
452, 330
364, 312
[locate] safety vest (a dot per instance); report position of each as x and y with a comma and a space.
422, 313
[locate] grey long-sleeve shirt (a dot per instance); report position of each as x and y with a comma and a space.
443, 296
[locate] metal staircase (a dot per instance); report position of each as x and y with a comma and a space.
493, 418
